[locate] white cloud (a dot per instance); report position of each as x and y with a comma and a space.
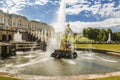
37, 20
15, 5
79, 26
76, 9
69, 2
117, 13
41, 2
54, 2
76, 6
106, 9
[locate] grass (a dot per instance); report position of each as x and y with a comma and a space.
7, 78
112, 47
108, 78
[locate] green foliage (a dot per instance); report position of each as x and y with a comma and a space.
102, 36
7, 78
108, 78
99, 35
116, 36
91, 33
109, 31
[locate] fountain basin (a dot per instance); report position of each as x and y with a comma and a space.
67, 54
86, 63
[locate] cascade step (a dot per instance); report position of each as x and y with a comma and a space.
7, 50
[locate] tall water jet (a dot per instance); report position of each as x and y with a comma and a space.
61, 18
59, 24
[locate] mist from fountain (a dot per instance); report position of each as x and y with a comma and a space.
18, 37
60, 19
59, 24
52, 44
31, 55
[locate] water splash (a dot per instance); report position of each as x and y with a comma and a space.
30, 54
52, 44
39, 59
31, 63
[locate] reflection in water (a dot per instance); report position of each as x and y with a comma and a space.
44, 65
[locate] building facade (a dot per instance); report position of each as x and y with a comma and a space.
11, 23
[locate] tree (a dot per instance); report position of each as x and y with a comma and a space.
116, 36
102, 36
109, 30
91, 33
85, 32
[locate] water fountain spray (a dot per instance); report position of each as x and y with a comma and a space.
18, 37
59, 23
63, 51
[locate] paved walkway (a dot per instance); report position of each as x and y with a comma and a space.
77, 77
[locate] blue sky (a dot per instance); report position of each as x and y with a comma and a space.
80, 13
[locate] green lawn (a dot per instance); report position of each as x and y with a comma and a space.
7, 78
108, 78
112, 47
